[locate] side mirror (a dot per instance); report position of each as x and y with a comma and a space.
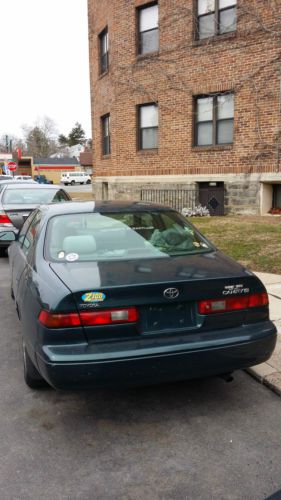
9, 236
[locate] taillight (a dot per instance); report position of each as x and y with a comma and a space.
109, 317
59, 320
89, 318
232, 303
4, 219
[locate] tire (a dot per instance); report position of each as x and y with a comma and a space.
88, 181
81, 183
31, 375
72, 183
3, 252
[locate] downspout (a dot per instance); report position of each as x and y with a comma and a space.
278, 131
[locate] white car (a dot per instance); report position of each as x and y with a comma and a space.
75, 178
22, 178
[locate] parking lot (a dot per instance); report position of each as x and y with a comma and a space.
201, 439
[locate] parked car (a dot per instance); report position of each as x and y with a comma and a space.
119, 293
42, 179
75, 178
13, 182
4, 177
22, 178
18, 199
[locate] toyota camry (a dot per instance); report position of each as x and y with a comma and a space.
130, 293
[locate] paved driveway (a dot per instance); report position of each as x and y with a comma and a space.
192, 440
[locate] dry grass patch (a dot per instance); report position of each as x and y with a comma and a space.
253, 241
82, 196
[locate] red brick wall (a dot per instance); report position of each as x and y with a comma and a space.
245, 61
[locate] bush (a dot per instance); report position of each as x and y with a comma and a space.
197, 211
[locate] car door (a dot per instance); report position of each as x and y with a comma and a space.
26, 241
17, 257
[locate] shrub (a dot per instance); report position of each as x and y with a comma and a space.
197, 211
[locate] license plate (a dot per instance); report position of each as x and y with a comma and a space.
166, 317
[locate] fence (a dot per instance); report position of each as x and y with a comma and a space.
175, 198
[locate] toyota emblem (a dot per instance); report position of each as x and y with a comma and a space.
171, 293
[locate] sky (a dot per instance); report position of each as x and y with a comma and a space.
44, 64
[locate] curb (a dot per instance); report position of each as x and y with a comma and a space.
267, 375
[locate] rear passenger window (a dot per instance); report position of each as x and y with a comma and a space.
31, 233
25, 227
60, 197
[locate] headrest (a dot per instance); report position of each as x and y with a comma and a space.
82, 244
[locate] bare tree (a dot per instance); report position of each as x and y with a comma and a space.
41, 138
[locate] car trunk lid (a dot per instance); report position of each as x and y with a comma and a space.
144, 284
18, 213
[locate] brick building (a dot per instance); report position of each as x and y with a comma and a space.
186, 95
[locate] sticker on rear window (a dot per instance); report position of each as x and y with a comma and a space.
71, 257
94, 297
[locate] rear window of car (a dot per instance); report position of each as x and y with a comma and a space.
121, 236
34, 196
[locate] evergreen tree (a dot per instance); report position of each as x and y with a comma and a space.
76, 135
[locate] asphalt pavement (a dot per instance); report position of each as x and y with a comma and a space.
204, 439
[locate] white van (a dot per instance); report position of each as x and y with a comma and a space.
75, 178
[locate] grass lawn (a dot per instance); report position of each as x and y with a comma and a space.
254, 241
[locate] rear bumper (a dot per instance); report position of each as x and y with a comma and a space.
187, 361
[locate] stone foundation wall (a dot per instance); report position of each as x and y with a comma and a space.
242, 198
242, 192
249, 194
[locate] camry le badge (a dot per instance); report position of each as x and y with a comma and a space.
171, 293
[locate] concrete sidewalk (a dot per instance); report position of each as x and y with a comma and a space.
269, 373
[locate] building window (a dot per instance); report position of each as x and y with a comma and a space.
105, 127
216, 17
214, 120
104, 54
148, 126
148, 29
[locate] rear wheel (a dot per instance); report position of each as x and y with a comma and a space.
2, 252
72, 183
88, 181
31, 375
